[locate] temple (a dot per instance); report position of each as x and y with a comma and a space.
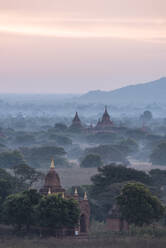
52, 182
76, 123
114, 221
52, 185
105, 122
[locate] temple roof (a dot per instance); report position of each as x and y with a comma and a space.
76, 118
52, 178
106, 116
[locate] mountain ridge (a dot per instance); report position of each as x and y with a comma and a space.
153, 91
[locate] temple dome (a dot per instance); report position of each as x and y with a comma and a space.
52, 178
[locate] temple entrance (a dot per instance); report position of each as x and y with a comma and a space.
83, 224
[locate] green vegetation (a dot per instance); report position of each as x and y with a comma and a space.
10, 159
91, 160
39, 157
107, 185
109, 153
22, 210
138, 206
146, 116
19, 209
55, 212
158, 155
113, 173
27, 175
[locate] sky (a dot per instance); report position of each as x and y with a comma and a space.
74, 46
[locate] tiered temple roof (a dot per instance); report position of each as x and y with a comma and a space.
76, 122
105, 122
52, 185
52, 182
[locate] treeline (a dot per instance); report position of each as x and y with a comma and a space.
29, 208
111, 180
63, 144
23, 207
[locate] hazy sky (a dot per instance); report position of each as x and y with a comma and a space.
66, 46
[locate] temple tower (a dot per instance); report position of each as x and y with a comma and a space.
52, 185
105, 122
76, 122
52, 182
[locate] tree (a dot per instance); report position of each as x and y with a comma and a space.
102, 138
60, 127
146, 116
26, 175
108, 153
91, 160
10, 159
55, 212
107, 185
24, 139
60, 140
113, 173
137, 134
40, 156
138, 206
102, 202
131, 144
158, 155
158, 176
8, 184
19, 209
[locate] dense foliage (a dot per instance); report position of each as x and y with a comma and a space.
91, 160
109, 153
19, 209
108, 183
55, 212
158, 155
40, 156
10, 159
28, 208
138, 206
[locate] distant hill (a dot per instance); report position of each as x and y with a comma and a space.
143, 93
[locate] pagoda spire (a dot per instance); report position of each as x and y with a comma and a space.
52, 164
85, 196
75, 192
106, 109
49, 191
63, 195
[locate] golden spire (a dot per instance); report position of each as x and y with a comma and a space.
49, 191
85, 196
63, 195
75, 192
52, 164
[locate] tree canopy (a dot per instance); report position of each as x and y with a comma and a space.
91, 160
40, 156
114, 173
27, 175
55, 212
19, 209
138, 206
108, 183
10, 159
108, 153
158, 155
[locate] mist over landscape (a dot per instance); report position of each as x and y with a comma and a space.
82, 124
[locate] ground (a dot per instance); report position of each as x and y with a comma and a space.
93, 243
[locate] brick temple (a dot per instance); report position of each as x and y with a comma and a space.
52, 185
103, 124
